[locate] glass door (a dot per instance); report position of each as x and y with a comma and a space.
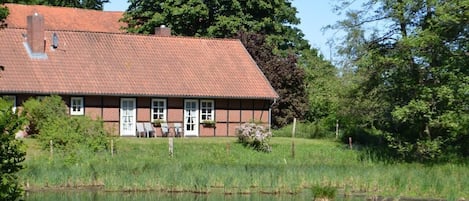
127, 117
191, 117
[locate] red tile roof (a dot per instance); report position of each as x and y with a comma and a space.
62, 18
90, 63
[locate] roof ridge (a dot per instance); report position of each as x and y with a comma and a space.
133, 34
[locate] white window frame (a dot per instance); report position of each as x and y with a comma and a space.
12, 98
80, 106
207, 111
162, 109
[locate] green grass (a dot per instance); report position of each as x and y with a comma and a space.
207, 165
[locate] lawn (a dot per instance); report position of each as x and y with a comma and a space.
221, 165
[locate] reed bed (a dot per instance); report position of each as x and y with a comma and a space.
221, 165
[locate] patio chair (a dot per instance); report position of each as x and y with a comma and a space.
149, 130
165, 129
177, 129
140, 130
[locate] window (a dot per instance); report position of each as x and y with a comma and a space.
11, 99
76, 106
206, 110
158, 109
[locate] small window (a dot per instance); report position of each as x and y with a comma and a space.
76, 106
11, 99
207, 110
158, 109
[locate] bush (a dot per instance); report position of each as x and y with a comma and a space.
74, 132
254, 136
69, 134
40, 112
11, 153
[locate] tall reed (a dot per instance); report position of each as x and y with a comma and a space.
204, 165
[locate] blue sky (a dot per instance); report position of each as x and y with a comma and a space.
314, 14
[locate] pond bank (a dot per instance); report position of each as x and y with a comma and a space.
203, 165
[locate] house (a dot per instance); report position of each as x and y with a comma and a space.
126, 78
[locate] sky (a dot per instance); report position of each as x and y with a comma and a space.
314, 15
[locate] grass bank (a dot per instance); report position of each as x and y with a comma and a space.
207, 165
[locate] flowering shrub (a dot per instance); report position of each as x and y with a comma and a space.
255, 136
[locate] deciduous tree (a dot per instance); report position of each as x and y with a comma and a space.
11, 153
411, 57
219, 18
285, 77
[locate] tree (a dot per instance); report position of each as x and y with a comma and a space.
324, 90
413, 74
285, 77
220, 19
11, 153
3, 15
86, 4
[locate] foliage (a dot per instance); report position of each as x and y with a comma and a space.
42, 111
209, 123
11, 152
285, 77
68, 133
412, 75
324, 192
3, 15
323, 85
254, 136
219, 18
86, 4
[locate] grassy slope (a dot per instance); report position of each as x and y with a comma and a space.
221, 164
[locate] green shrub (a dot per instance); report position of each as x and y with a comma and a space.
40, 112
11, 153
70, 135
255, 136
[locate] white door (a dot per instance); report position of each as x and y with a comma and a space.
191, 117
127, 117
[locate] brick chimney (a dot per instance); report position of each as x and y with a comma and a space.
162, 31
35, 35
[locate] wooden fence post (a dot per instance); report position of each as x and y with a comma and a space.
51, 148
294, 128
171, 151
293, 137
350, 142
112, 147
337, 129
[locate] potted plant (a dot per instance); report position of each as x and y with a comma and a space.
157, 122
209, 123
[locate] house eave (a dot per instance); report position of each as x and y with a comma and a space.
139, 95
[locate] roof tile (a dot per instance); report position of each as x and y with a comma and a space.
63, 18
132, 65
